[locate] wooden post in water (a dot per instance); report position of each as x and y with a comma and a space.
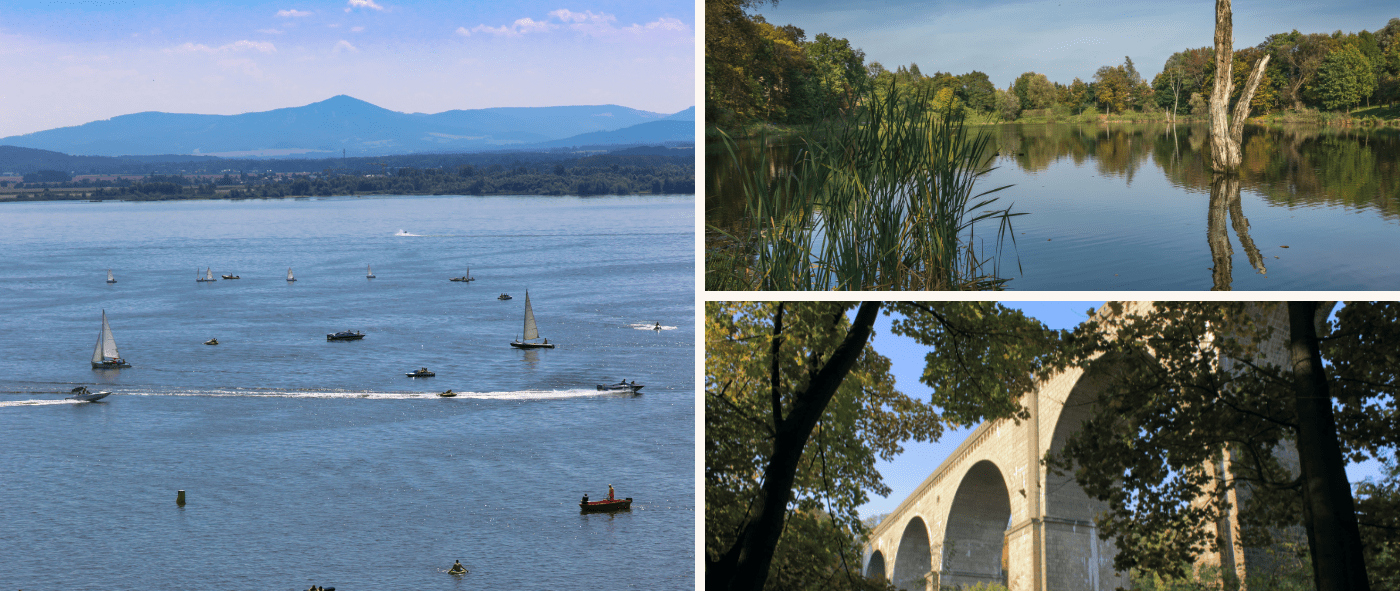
180, 498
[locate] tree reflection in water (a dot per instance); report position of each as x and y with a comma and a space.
1225, 198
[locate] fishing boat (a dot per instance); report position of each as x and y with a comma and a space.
110, 278
208, 276
212, 342
420, 373
605, 505
229, 276
504, 296
622, 386
464, 278
345, 335
531, 331
369, 272
81, 394
105, 355
289, 275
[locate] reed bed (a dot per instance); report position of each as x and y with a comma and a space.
884, 200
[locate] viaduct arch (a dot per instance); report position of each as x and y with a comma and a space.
992, 513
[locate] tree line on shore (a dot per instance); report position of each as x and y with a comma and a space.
592, 175
756, 71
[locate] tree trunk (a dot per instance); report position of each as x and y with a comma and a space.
1335, 540
1224, 137
744, 567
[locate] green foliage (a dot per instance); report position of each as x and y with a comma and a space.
867, 418
885, 201
1174, 404
982, 356
1345, 78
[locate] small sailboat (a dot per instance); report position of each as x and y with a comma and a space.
464, 278
289, 275
531, 331
369, 272
105, 355
208, 276
110, 279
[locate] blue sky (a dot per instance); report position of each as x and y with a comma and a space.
69, 62
919, 460
1059, 38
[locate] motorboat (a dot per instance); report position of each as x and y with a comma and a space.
229, 276
605, 505
212, 342
81, 394
345, 335
420, 373
105, 355
504, 296
447, 394
531, 331
622, 386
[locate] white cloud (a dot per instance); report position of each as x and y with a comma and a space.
235, 47
356, 29
363, 4
343, 46
519, 27
568, 16
333, 26
667, 24
293, 13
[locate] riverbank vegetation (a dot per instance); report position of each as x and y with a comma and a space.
602, 174
881, 198
761, 77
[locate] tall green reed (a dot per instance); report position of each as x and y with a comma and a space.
879, 200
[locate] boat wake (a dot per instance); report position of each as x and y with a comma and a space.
37, 402
370, 395
403, 233
649, 326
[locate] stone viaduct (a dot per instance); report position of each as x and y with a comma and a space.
992, 513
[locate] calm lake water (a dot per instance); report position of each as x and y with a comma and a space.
313, 462
1132, 206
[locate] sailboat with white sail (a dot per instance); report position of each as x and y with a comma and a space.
110, 278
531, 331
208, 276
105, 355
289, 275
369, 272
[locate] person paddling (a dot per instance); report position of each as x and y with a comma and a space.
457, 568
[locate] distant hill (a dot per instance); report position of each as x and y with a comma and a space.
26, 160
653, 132
335, 124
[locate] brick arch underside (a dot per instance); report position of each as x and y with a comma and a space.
913, 560
875, 569
977, 521
1076, 558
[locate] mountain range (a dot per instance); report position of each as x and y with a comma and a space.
361, 129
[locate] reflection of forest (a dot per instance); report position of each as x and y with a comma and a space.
1292, 165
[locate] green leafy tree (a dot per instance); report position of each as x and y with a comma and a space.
978, 91
1345, 78
798, 406
1187, 389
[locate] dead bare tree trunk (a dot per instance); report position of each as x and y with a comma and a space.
1225, 137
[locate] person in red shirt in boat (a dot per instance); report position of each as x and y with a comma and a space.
610, 492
